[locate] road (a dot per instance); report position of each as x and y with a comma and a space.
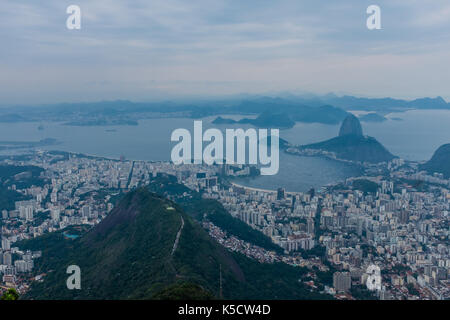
175, 245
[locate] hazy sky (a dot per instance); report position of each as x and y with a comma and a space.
152, 49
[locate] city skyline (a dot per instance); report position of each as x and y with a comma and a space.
261, 151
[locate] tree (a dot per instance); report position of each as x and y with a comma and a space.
10, 294
412, 290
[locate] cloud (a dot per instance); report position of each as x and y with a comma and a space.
438, 17
134, 49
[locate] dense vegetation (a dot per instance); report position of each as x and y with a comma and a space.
184, 291
352, 145
362, 293
8, 198
10, 294
355, 148
365, 185
199, 208
128, 256
20, 176
412, 290
216, 213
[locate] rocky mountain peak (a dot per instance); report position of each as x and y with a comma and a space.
351, 126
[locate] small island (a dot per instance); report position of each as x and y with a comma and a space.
372, 117
102, 122
220, 120
264, 120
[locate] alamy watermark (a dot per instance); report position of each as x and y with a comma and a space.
374, 20
74, 280
259, 143
74, 20
374, 279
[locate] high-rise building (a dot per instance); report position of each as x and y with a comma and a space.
342, 281
280, 194
21, 266
86, 211
54, 197
404, 216
29, 213
7, 258
6, 244
55, 214
310, 226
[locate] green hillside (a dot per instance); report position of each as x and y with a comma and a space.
440, 162
355, 148
199, 208
20, 176
352, 145
129, 256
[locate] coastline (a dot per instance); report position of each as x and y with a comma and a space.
263, 190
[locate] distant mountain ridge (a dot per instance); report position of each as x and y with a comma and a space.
264, 120
372, 117
327, 109
381, 104
256, 102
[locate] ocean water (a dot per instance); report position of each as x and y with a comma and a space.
300, 174
415, 137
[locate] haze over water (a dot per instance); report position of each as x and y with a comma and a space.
415, 137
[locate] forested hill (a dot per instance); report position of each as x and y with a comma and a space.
129, 256
440, 162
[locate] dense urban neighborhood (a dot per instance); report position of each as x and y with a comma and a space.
394, 216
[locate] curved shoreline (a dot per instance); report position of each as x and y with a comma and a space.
263, 190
